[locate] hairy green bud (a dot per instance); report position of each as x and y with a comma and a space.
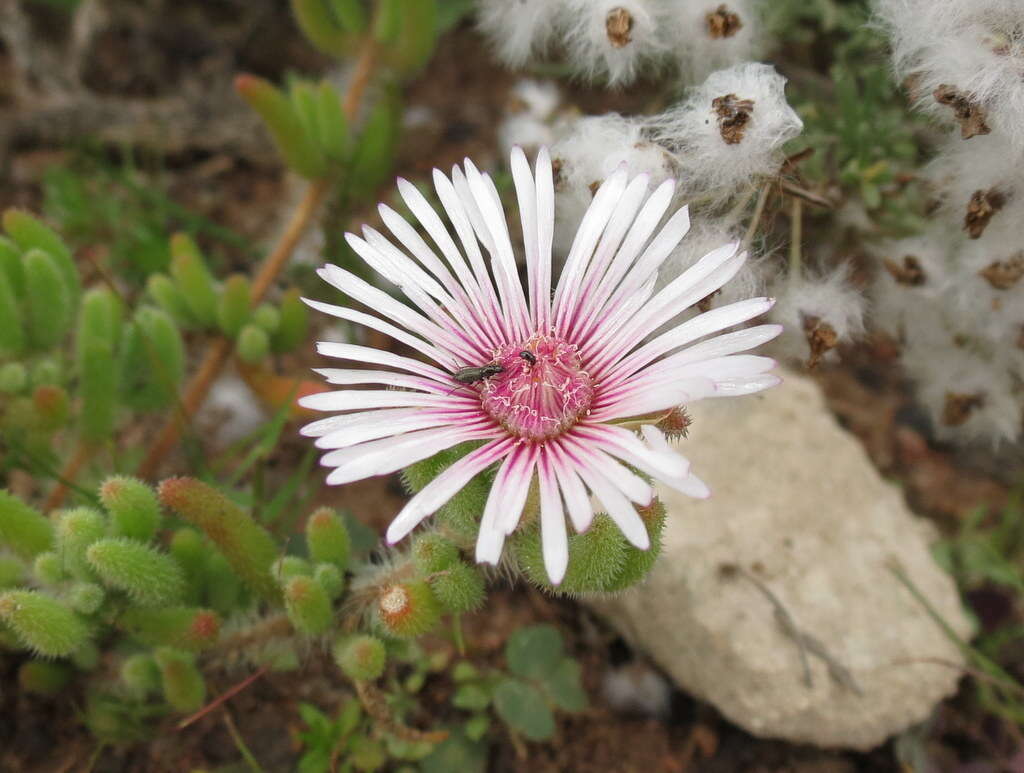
76, 530
186, 628
639, 562
48, 301
182, 684
431, 552
253, 344
329, 576
287, 567
148, 576
161, 288
407, 610
193, 279
86, 597
23, 528
360, 657
460, 588
327, 538
31, 233
48, 569
307, 604
99, 328
42, 623
248, 547
133, 507
233, 306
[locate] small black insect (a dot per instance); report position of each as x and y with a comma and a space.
530, 357
473, 374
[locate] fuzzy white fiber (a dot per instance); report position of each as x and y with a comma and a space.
706, 49
520, 29
829, 297
588, 153
530, 124
693, 36
698, 134
597, 56
975, 46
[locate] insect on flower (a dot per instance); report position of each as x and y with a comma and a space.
577, 363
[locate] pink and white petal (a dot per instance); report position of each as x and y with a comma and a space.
368, 320
521, 476
643, 226
619, 442
618, 507
718, 369
460, 220
372, 426
594, 223
657, 251
647, 398
545, 184
626, 481
370, 356
739, 386
366, 399
526, 194
503, 262
622, 218
698, 327
387, 455
352, 376
691, 485
554, 541
322, 428
505, 501
577, 500
446, 485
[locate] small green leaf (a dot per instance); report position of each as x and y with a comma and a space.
472, 697
564, 688
477, 726
534, 652
524, 709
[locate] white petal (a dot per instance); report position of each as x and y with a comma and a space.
371, 356
554, 542
619, 508
375, 424
446, 485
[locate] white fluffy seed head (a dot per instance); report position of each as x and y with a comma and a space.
520, 29
968, 52
530, 120
614, 40
817, 313
717, 34
729, 130
589, 151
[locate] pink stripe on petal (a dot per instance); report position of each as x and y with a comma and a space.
446, 485
364, 399
372, 427
554, 541
520, 478
505, 501
371, 356
629, 483
351, 377
526, 194
618, 507
657, 251
577, 500
620, 442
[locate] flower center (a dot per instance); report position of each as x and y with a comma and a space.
542, 389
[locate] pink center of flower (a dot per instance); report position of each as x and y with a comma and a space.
541, 393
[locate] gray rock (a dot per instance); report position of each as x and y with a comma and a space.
798, 512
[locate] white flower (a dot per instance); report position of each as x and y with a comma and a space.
560, 367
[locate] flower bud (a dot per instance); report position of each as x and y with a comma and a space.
185, 628
76, 530
86, 597
407, 610
459, 588
148, 576
133, 507
42, 623
360, 657
48, 569
233, 306
307, 604
287, 567
431, 552
327, 538
330, 578
248, 547
22, 528
253, 344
